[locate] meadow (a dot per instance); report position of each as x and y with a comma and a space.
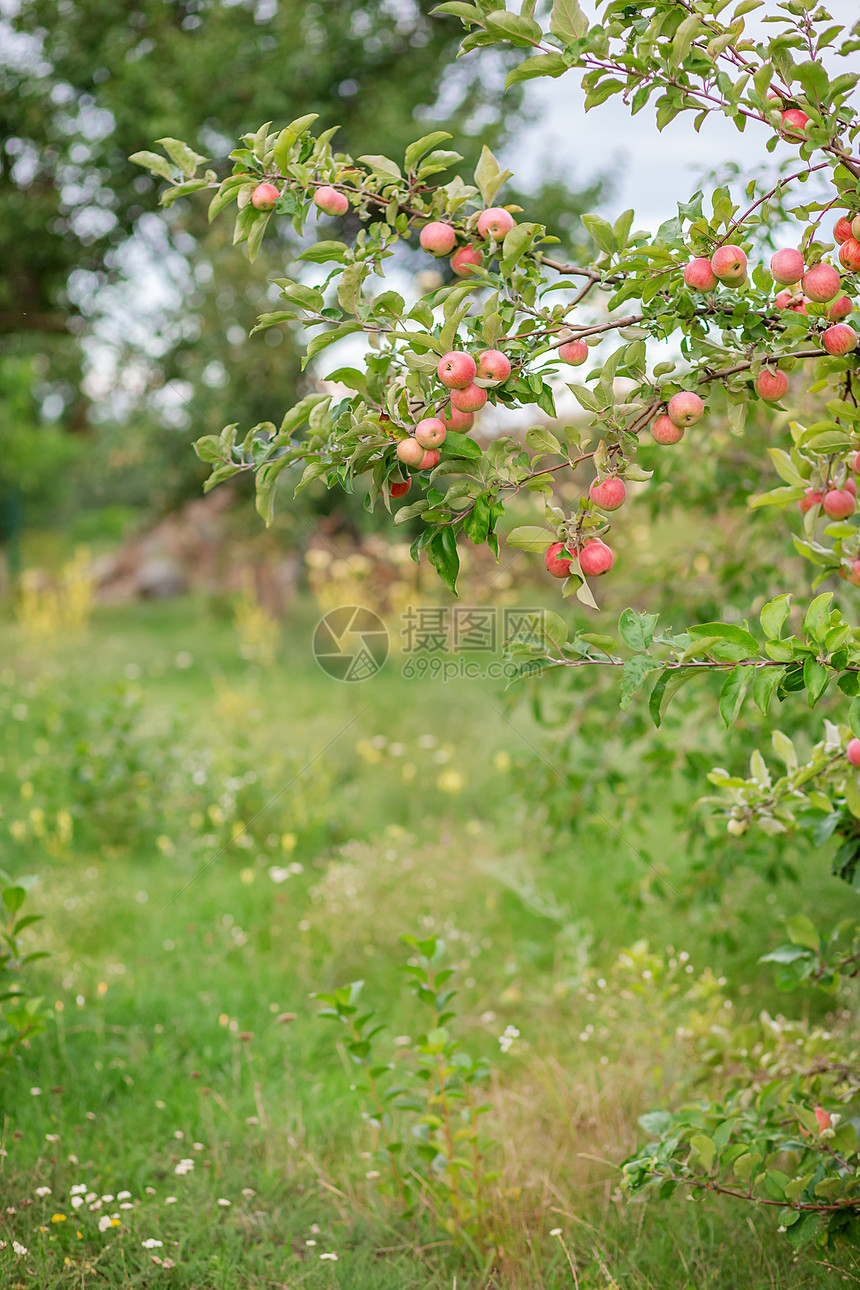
217, 839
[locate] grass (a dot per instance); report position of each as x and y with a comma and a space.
244, 836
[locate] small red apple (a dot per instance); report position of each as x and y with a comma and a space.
456, 369
840, 308
787, 267
849, 254
453, 419
771, 385
729, 263
812, 497
409, 451
495, 222
330, 201
573, 352
794, 122
430, 459
852, 752
664, 430
791, 300
699, 275
465, 261
438, 238
595, 558
494, 366
839, 339
685, 408
842, 229
265, 197
558, 567
400, 487
430, 432
609, 494
822, 282
838, 503
470, 399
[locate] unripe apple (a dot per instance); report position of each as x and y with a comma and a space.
430, 432
557, 567
264, 197
852, 752
664, 430
787, 267
838, 504
737, 828
609, 494
771, 385
729, 263
400, 487
855, 228
794, 122
822, 1116
465, 261
494, 366
409, 451
840, 308
456, 369
573, 352
699, 275
430, 459
438, 238
595, 558
842, 229
495, 222
686, 408
453, 419
853, 576
470, 399
812, 497
821, 282
839, 339
849, 254
790, 300
330, 201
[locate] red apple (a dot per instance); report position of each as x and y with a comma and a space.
771, 385
794, 122
839, 339
330, 201
812, 497
664, 430
842, 229
595, 558
729, 263
852, 576
573, 352
430, 432
852, 752
855, 464
400, 487
821, 282
495, 222
849, 254
787, 267
839, 503
791, 300
438, 238
557, 567
409, 451
456, 369
471, 399
430, 459
699, 275
609, 494
840, 308
452, 419
264, 197
855, 228
851, 486
465, 261
686, 408
494, 366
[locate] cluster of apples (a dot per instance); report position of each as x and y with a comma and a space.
594, 557
683, 409
440, 239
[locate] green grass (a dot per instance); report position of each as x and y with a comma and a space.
170, 942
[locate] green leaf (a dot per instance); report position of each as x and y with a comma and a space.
815, 678
733, 693
182, 190
382, 166
665, 688
684, 37
416, 150
512, 26
540, 65
326, 338
153, 162
802, 931
705, 1149
637, 630
185, 158
602, 232
765, 681
774, 614
530, 538
854, 717
567, 21
488, 176
542, 440
817, 621
443, 555
322, 252
460, 445
255, 235
633, 675
728, 632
